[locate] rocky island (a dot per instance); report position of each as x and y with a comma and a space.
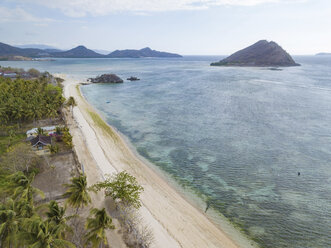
142, 53
106, 78
133, 78
260, 54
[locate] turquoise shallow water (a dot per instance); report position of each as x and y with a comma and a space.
236, 136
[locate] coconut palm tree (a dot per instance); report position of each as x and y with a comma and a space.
42, 234
71, 102
40, 131
77, 193
56, 214
9, 226
97, 226
23, 188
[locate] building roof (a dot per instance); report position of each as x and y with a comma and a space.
47, 129
44, 140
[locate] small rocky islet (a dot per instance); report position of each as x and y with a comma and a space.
106, 78
133, 78
260, 54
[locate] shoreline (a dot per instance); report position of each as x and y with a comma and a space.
174, 220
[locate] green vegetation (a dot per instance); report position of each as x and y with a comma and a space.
34, 73
77, 193
121, 187
28, 100
21, 224
6, 141
71, 102
96, 227
67, 138
53, 148
100, 122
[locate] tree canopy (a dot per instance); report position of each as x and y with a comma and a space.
27, 100
122, 187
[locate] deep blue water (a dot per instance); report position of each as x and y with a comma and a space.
236, 136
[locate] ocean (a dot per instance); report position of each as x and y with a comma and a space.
254, 144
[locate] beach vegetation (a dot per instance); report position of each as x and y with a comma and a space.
123, 188
67, 138
34, 72
96, 225
53, 148
28, 100
41, 233
57, 215
71, 102
77, 194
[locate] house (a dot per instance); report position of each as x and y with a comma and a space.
40, 141
9, 74
47, 130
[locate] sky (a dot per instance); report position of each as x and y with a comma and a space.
188, 27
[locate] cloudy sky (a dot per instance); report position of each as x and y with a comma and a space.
182, 26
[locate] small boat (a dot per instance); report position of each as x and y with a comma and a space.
107, 101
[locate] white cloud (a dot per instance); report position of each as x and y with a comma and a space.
79, 8
20, 15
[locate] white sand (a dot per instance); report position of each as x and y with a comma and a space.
175, 222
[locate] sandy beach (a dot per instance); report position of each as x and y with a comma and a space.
174, 221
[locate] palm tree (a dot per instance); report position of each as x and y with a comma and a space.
42, 234
77, 193
40, 131
56, 214
23, 188
9, 226
96, 227
53, 148
71, 102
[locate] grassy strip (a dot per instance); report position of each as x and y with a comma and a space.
98, 121
103, 125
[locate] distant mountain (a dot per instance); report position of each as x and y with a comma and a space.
38, 46
7, 50
53, 50
262, 53
323, 54
77, 52
145, 52
103, 52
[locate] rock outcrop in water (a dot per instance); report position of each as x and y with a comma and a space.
133, 78
106, 78
262, 53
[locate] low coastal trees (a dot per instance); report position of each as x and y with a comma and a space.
77, 193
96, 225
122, 188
